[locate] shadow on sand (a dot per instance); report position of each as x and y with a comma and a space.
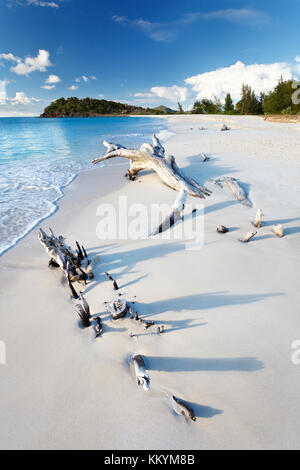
195, 364
200, 302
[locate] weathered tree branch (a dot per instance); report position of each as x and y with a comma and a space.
75, 265
152, 157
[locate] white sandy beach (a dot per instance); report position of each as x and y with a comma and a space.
231, 310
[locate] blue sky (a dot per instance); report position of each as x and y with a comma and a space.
150, 53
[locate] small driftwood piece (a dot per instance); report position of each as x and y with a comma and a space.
249, 236
118, 308
152, 157
217, 182
160, 329
74, 263
83, 310
237, 191
98, 326
278, 230
142, 377
225, 128
182, 408
131, 313
147, 324
174, 215
204, 157
258, 219
115, 285
222, 229
135, 316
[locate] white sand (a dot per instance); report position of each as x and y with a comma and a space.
231, 310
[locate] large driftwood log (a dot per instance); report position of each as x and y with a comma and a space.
152, 157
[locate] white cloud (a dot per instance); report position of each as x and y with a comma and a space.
157, 31
85, 79
246, 15
29, 64
143, 95
100, 95
53, 79
166, 32
297, 58
261, 77
171, 93
21, 105
3, 95
40, 3
37, 3
73, 87
20, 98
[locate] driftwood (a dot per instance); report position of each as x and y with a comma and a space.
135, 316
98, 326
278, 230
117, 309
237, 191
174, 215
160, 329
258, 218
182, 408
115, 285
204, 157
147, 324
233, 185
83, 310
225, 128
222, 229
140, 372
249, 236
74, 263
152, 157
218, 182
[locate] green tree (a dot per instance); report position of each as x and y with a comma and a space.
228, 108
180, 109
280, 99
197, 108
249, 103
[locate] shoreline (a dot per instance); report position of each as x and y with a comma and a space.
230, 310
54, 204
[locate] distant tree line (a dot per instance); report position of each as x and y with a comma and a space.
89, 107
278, 101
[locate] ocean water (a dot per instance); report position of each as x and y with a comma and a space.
39, 157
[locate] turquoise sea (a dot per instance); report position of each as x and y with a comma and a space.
39, 157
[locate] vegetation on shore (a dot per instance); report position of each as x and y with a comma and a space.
90, 107
278, 101
282, 100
